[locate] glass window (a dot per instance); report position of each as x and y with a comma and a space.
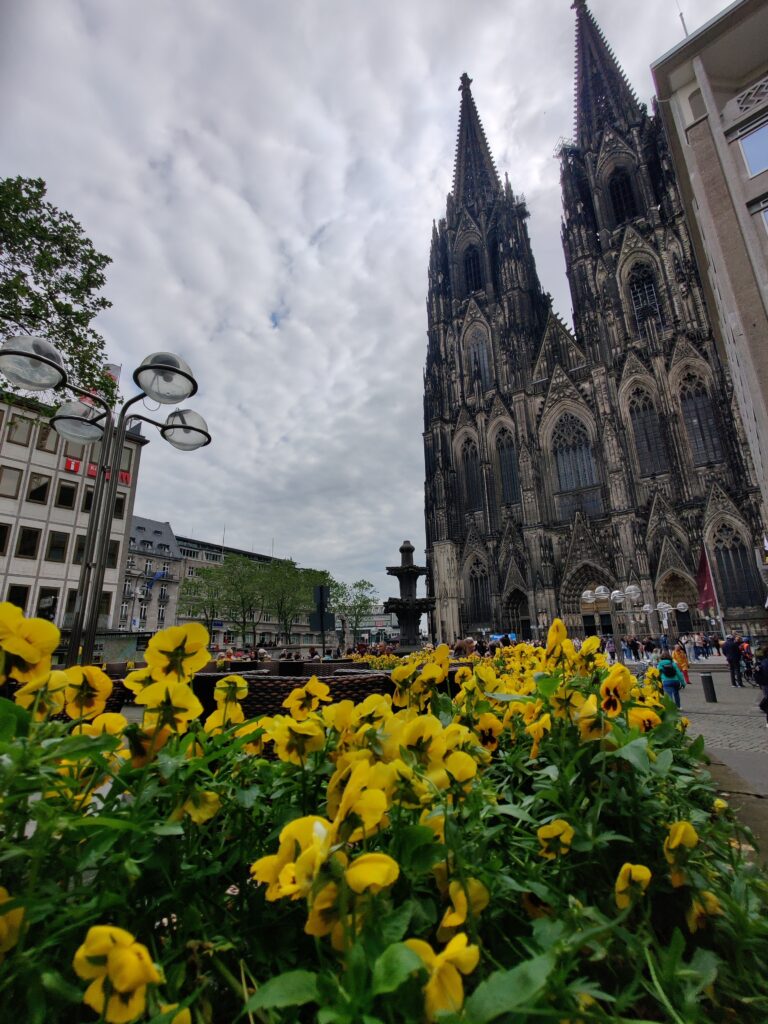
507, 467
573, 454
5, 533
79, 549
47, 438
71, 601
73, 450
19, 429
105, 603
700, 421
479, 594
87, 499
28, 542
66, 495
737, 569
37, 489
473, 489
622, 197
112, 553
148, 570
645, 301
161, 615
119, 507
47, 603
126, 457
472, 273
10, 480
18, 595
477, 360
754, 146
57, 546
649, 438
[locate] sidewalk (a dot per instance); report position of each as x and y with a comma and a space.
736, 742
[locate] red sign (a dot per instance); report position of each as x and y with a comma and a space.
91, 470
124, 477
704, 584
72, 465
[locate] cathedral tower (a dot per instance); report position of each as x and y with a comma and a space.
557, 462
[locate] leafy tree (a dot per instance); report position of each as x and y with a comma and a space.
288, 591
353, 603
202, 596
50, 278
243, 594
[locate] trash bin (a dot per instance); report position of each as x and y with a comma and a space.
708, 687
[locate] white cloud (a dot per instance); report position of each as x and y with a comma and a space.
265, 178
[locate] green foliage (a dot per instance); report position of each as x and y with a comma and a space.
352, 603
50, 280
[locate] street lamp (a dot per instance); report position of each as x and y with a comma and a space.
35, 364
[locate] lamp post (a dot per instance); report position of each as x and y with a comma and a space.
35, 364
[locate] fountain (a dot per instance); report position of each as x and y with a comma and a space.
408, 608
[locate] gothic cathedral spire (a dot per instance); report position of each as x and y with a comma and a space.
474, 177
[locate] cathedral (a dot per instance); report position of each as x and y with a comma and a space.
563, 462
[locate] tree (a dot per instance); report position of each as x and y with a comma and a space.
201, 596
50, 277
353, 603
243, 594
288, 591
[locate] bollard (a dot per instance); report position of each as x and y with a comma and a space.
709, 688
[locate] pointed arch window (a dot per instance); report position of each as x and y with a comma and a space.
736, 568
473, 277
573, 454
648, 435
645, 300
470, 466
509, 475
479, 594
700, 421
477, 358
622, 197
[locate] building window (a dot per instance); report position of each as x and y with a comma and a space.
47, 438
477, 359
573, 454
754, 146
66, 495
123, 611
148, 564
71, 601
191, 572
736, 568
77, 558
645, 301
472, 274
507, 465
479, 594
130, 563
5, 533
473, 490
57, 546
37, 489
126, 457
622, 197
113, 552
47, 603
143, 609
28, 542
74, 450
163, 594
18, 595
88, 499
119, 512
161, 615
19, 430
10, 480
105, 603
646, 427
700, 421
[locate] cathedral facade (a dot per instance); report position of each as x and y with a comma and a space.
560, 461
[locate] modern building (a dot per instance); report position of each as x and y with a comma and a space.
46, 491
713, 93
559, 460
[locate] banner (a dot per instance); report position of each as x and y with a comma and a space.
705, 585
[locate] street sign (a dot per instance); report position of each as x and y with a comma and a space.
322, 623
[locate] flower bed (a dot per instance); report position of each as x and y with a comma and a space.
535, 841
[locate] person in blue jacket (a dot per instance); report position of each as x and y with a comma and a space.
672, 678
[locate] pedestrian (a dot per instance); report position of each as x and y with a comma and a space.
761, 677
672, 678
690, 648
732, 652
680, 658
610, 649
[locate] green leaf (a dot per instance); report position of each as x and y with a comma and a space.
394, 926
168, 828
513, 810
14, 720
293, 988
663, 762
636, 753
546, 684
505, 991
394, 966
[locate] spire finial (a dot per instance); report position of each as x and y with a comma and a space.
474, 175
466, 81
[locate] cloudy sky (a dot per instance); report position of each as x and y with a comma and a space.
264, 176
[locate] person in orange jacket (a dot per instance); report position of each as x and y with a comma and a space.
681, 660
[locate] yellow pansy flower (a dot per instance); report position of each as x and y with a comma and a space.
471, 896
323, 911
110, 722
230, 689
86, 691
555, 637
303, 700
224, 716
44, 696
682, 838
537, 730
136, 681
175, 654
643, 719
28, 644
182, 1017
302, 832
201, 806
488, 729
590, 646
260, 725
169, 703
10, 924
372, 872
294, 740
461, 766
631, 882
444, 990
719, 805
555, 838
112, 954
704, 906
